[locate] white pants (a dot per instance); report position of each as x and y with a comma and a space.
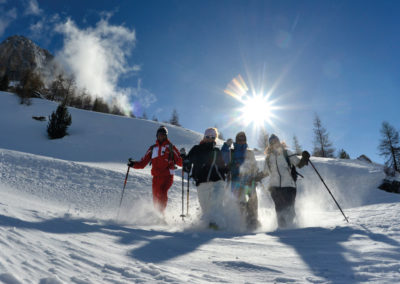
211, 198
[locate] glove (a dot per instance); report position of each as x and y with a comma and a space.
305, 155
187, 166
183, 153
131, 162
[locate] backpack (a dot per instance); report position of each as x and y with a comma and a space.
292, 168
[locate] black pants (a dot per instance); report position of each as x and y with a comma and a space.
284, 198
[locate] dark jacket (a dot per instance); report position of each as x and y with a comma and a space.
242, 163
207, 162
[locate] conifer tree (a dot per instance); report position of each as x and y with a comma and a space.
263, 139
4, 83
174, 118
59, 121
343, 154
296, 146
100, 106
389, 146
322, 145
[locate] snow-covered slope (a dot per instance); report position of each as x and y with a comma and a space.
94, 137
59, 204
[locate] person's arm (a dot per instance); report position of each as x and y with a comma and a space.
294, 160
266, 170
177, 157
187, 163
256, 173
144, 161
305, 157
226, 153
221, 164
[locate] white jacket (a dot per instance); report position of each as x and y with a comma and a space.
278, 169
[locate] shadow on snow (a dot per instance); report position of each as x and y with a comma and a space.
157, 246
321, 250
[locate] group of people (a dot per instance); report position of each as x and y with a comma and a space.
230, 171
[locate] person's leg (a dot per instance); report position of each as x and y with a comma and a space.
161, 185
235, 187
203, 193
252, 210
279, 199
216, 200
156, 191
289, 210
163, 193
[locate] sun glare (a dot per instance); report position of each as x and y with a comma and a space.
256, 109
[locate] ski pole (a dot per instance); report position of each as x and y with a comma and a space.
123, 191
337, 204
183, 192
187, 196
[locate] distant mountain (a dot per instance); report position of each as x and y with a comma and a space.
19, 54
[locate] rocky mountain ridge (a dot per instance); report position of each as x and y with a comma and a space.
19, 54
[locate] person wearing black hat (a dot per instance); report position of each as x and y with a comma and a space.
163, 156
280, 165
244, 174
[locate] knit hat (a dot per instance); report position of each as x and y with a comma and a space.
162, 129
241, 135
273, 138
212, 132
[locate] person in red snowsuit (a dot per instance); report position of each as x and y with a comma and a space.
163, 156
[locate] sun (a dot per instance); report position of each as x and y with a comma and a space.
257, 109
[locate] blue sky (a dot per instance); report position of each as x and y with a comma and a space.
339, 59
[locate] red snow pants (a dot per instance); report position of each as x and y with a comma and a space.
161, 185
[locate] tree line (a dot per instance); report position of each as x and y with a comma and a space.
389, 145
63, 89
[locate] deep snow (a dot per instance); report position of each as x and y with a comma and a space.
59, 200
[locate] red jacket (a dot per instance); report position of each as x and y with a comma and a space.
162, 163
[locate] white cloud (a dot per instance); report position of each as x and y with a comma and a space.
44, 26
6, 19
37, 27
32, 8
144, 96
98, 57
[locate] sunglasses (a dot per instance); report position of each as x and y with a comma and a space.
241, 139
210, 137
